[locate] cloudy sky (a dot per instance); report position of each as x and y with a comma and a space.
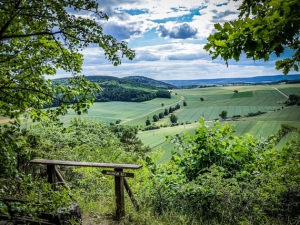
168, 37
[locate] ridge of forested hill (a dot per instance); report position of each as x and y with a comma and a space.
122, 89
149, 82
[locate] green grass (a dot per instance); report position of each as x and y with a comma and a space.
287, 138
111, 111
3, 117
246, 94
255, 98
288, 114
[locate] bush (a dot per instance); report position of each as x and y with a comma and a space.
219, 178
173, 118
223, 114
155, 118
254, 114
151, 127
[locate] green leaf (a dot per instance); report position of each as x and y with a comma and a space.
220, 43
227, 26
218, 26
207, 47
296, 68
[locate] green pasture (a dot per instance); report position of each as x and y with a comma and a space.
111, 111
260, 129
216, 99
289, 89
157, 140
245, 94
287, 138
287, 114
264, 98
166, 101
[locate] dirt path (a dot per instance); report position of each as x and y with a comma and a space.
181, 99
281, 92
6, 120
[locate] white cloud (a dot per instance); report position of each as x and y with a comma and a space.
174, 51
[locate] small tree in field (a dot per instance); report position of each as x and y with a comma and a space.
173, 118
155, 118
161, 115
148, 122
184, 103
223, 114
201, 99
162, 104
166, 112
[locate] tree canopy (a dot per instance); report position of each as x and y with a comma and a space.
39, 37
263, 27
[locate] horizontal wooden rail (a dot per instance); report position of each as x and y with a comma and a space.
86, 164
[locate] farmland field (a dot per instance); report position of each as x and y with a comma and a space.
207, 103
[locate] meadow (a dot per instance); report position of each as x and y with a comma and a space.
236, 100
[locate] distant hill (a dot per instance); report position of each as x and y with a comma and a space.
224, 81
131, 89
134, 81
150, 82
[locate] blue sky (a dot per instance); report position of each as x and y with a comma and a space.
168, 37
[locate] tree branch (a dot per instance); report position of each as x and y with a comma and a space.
30, 35
5, 26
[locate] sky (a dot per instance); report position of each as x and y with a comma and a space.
168, 37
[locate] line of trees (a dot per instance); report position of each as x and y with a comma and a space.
163, 114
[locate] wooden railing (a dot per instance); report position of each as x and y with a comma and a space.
118, 173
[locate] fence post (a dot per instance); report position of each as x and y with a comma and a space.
51, 175
119, 192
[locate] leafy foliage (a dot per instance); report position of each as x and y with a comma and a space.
293, 100
220, 178
173, 118
263, 27
37, 38
148, 122
223, 114
82, 141
163, 94
155, 118
37, 44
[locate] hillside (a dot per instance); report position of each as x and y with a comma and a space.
133, 89
135, 81
149, 82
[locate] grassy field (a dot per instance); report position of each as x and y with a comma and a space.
249, 99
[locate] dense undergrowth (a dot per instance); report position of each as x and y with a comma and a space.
214, 177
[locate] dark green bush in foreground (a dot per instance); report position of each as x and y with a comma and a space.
216, 177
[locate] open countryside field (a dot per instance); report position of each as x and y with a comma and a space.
262, 98
249, 99
108, 112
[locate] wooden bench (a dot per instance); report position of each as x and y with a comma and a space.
118, 173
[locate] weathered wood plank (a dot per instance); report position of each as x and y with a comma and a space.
86, 164
119, 192
51, 175
119, 174
130, 193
